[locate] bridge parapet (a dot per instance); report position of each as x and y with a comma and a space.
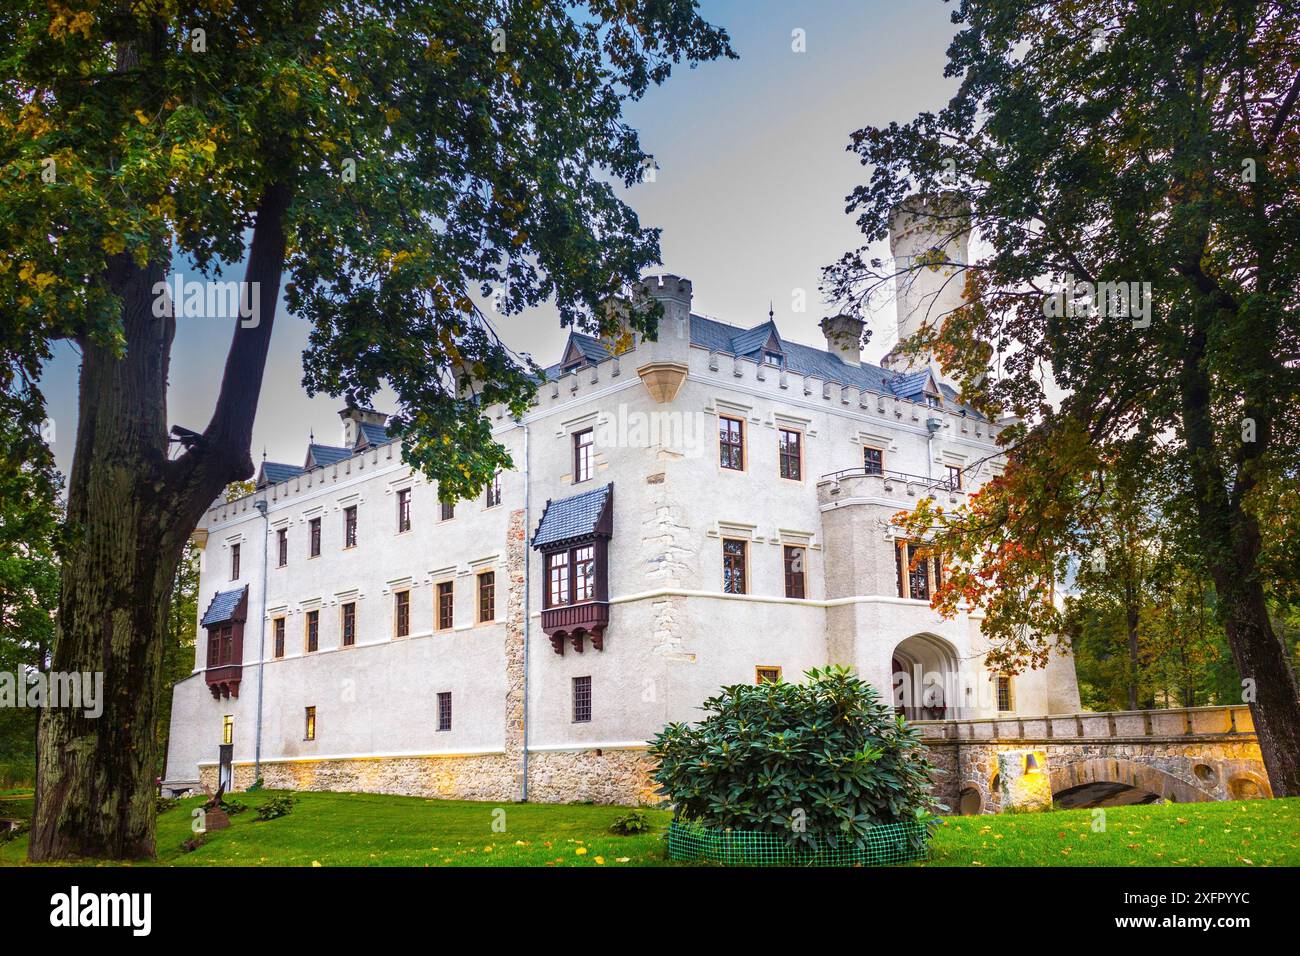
1178, 723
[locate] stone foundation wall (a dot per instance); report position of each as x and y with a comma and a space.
599, 776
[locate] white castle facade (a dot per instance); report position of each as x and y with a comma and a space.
706, 509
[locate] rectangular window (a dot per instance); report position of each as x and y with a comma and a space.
1004, 692
448, 509
228, 729
278, 630
403, 510
954, 477
791, 454
767, 675
583, 443
350, 526
584, 574
794, 572
487, 597
446, 605
444, 710
282, 546
494, 491
349, 624
309, 731
873, 461
313, 631
402, 611
234, 562
313, 538
557, 575
581, 700
228, 644
918, 573
733, 566
731, 443
900, 567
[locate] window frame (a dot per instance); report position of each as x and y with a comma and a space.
446, 511
580, 700
403, 510
954, 477
584, 455
486, 585
349, 527
402, 613
309, 723
880, 467
1001, 681
441, 590
346, 608
281, 547
493, 493
310, 633
228, 729
279, 628
729, 563
726, 444
782, 456
793, 577
759, 679
313, 537
444, 711
234, 560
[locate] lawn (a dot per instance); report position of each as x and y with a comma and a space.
351, 829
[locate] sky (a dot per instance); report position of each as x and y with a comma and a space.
749, 194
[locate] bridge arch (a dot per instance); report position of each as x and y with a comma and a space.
1067, 776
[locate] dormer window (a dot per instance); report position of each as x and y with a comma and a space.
573, 538
772, 358
934, 401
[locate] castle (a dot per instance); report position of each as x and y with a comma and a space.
704, 509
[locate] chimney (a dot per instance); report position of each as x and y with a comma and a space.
925, 233
353, 417
844, 337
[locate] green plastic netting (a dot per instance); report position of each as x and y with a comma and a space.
886, 844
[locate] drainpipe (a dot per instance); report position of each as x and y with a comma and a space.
528, 523
260, 505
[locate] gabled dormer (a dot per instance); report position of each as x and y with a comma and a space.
921, 387
582, 350
762, 344
318, 456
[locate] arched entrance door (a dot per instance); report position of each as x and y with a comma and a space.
924, 678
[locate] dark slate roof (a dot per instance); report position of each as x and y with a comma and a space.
274, 472
754, 339
804, 359
223, 607
592, 349
908, 386
374, 434
574, 517
327, 454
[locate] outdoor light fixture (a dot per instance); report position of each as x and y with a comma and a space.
1031, 762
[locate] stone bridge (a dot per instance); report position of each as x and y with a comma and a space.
1102, 759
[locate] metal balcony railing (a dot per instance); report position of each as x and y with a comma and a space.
929, 484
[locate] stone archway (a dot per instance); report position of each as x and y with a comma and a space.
923, 678
1126, 773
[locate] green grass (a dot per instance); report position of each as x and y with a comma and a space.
350, 829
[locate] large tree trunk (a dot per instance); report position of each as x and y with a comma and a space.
93, 773
1262, 660
131, 510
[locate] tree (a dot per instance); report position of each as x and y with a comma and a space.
1133, 167
394, 158
178, 654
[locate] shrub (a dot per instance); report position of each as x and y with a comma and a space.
233, 806
820, 761
631, 823
277, 806
163, 804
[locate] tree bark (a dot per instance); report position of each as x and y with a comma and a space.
131, 511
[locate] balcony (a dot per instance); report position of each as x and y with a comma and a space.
573, 622
861, 482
